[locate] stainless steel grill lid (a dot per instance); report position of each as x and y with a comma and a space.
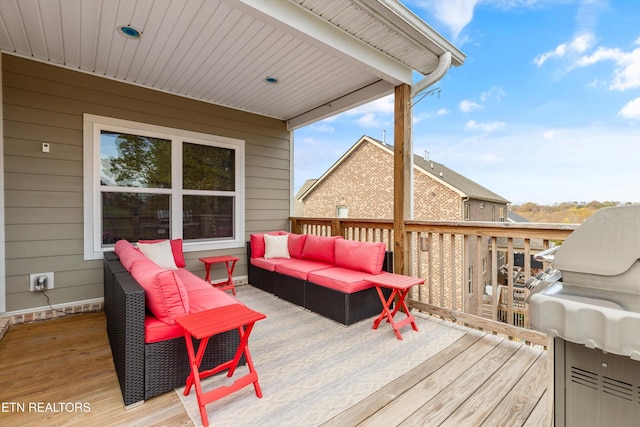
597, 301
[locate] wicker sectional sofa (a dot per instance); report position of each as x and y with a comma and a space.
148, 347
326, 275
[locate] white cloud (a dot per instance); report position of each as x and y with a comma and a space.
368, 120
626, 74
323, 127
442, 112
580, 44
467, 106
484, 127
551, 134
495, 92
490, 158
455, 14
379, 106
631, 110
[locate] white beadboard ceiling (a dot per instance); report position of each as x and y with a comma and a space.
329, 56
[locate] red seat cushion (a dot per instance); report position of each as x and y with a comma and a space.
342, 279
268, 264
300, 268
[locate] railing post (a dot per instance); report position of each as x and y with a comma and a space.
402, 167
337, 228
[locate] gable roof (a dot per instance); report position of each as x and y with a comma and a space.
448, 177
328, 56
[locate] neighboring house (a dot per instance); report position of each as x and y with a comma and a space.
298, 206
179, 129
360, 185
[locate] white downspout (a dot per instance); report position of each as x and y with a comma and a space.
444, 63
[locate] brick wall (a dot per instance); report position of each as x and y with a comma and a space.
363, 183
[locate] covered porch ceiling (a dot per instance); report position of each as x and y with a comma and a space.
327, 56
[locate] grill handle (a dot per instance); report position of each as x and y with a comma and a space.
546, 255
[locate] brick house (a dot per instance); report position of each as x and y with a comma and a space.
360, 185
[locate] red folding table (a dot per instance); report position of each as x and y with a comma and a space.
230, 263
400, 286
206, 324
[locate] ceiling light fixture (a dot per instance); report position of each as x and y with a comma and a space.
129, 32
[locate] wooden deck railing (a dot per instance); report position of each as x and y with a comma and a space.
473, 271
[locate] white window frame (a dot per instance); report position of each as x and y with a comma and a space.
92, 127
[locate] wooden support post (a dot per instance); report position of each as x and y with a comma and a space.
402, 165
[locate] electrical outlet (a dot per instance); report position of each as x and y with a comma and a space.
40, 281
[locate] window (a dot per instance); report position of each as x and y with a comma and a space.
467, 212
144, 182
502, 217
493, 213
342, 211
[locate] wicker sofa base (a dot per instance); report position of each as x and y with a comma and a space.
289, 289
144, 369
344, 308
339, 306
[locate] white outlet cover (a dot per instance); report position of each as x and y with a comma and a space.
34, 277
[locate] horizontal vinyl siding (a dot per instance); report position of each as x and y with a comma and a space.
44, 191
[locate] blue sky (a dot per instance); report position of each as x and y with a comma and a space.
545, 109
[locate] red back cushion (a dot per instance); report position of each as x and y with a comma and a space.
176, 249
127, 253
361, 256
320, 248
296, 244
165, 294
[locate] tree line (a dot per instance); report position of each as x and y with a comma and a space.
565, 212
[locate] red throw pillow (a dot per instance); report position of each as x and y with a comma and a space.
361, 256
296, 244
320, 248
166, 296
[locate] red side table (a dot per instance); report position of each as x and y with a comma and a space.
230, 262
206, 324
400, 285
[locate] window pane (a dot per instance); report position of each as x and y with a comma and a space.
207, 217
208, 168
134, 217
134, 161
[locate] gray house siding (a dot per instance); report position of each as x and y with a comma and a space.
44, 191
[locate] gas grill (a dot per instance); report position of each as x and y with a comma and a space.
589, 302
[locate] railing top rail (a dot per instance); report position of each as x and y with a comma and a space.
477, 228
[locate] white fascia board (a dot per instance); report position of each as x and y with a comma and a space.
309, 27
398, 16
354, 99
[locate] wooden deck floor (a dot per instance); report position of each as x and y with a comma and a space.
478, 380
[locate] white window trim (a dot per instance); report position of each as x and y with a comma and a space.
93, 124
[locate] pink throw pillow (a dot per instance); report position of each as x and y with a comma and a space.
320, 248
296, 244
360, 256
